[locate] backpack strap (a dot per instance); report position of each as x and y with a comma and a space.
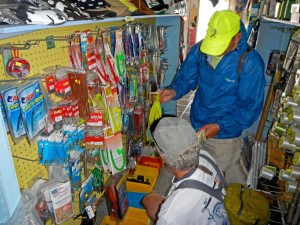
214, 165
195, 184
242, 60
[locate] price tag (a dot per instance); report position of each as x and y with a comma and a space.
90, 212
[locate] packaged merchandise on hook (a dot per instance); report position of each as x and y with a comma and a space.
33, 108
13, 111
18, 67
57, 147
114, 154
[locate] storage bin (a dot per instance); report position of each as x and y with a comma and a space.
147, 173
134, 199
151, 161
134, 216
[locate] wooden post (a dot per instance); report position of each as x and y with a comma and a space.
265, 112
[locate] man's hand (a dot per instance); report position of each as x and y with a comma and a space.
211, 129
166, 94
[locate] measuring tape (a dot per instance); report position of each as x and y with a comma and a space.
18, 67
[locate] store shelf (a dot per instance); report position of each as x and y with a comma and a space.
7, 31
266, 19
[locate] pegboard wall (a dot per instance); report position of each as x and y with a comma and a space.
39, 56
24, 154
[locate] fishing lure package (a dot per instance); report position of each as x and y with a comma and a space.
113, 107
33, 107
13, 111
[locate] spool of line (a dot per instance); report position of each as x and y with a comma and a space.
285, 144
284, 175
289, 102
266, 173
294, 172
279, 128
296, 159
295, 116
291, 186
285, 120
293, 134
296, 140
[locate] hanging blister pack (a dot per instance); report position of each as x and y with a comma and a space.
75, 168
116, 154
75, 56
133, 86
113, 108
13, 111
110, 61
137, 45
33, 107
120, 55
90, 50
100, 60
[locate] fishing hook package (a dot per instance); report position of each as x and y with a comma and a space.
33, 107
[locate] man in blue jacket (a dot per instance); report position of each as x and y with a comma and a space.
225, 102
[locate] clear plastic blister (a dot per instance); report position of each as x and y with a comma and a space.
33, 107
13, 113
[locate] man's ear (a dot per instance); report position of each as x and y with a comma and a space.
238, 37
161, 155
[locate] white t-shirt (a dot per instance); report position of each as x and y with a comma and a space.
189, 206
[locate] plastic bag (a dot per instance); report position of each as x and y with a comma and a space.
25, 212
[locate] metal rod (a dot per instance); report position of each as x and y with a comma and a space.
31, 160
293, 208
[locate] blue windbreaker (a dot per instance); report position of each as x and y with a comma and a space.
222, 98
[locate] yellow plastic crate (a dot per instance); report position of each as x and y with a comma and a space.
150, 173
134, 216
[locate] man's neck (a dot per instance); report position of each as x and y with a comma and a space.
180, 173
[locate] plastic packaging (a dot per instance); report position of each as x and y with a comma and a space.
25, 212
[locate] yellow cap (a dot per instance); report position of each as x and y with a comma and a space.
222, 27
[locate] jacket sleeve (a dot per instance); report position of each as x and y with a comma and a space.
250, 95
186, 78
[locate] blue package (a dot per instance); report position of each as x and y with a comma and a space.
13, 111
33, 108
